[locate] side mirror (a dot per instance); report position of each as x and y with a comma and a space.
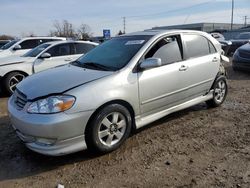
151, 63
17, 47
45, 55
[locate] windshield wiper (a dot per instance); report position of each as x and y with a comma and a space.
97, 66
76, 63
92, 65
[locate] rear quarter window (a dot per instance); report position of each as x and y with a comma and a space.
81, 48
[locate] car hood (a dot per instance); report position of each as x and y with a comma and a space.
58, 80
14, 60
245, 47
239, 41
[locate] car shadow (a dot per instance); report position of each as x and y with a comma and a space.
17, 161
3, 95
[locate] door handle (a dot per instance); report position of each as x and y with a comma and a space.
69, 59
215, 59
183, 68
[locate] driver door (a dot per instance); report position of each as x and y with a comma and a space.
161, 87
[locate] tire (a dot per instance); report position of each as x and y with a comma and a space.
220, 92
11, 80
109, 128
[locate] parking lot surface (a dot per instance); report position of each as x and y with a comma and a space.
197, 147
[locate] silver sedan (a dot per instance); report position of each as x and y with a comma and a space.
123, 84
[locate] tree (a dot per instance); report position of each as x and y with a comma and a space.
84, 32
63, 29
120, 33
6, 37
29, 34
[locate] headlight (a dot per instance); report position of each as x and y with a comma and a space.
52, 104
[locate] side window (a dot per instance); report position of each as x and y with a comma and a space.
29, 44
81, 48
59, 50
167, 49
44, 40
211, 48
196, 45
48, 40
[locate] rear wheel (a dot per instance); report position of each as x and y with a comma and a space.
11, 80
108, 129
220, 92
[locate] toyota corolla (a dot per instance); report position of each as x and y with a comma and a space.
123, 84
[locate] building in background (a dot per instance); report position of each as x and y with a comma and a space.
224, 28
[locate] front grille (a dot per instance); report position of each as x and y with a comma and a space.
244, 54
20, 99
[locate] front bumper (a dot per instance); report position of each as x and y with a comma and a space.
66, 131
241, 66
241, 63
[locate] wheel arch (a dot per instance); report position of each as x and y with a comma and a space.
19, 71
118, 101
222, 72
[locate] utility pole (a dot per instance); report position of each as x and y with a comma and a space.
245, 20
232, 16
124, 25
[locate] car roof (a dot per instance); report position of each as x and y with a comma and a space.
161, 32
70, 41
27, 38
44, 38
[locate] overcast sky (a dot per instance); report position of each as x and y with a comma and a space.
18, 17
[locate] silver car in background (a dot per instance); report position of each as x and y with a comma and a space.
14, 69
123, 84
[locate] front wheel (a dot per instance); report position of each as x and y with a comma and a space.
108, 129
220, 92
11, 80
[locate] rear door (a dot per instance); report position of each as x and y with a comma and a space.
60, 55
200, 67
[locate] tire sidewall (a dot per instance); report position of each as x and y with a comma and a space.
220, 78
6, 82
92, 140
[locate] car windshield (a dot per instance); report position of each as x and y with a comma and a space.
9, 44
244, 36
36, 51
114, 54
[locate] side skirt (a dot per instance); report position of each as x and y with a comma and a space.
142, 121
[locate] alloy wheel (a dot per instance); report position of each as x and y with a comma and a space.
14, 80
220, 91
112, 129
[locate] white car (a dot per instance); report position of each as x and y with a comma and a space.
48, 55
20, 47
